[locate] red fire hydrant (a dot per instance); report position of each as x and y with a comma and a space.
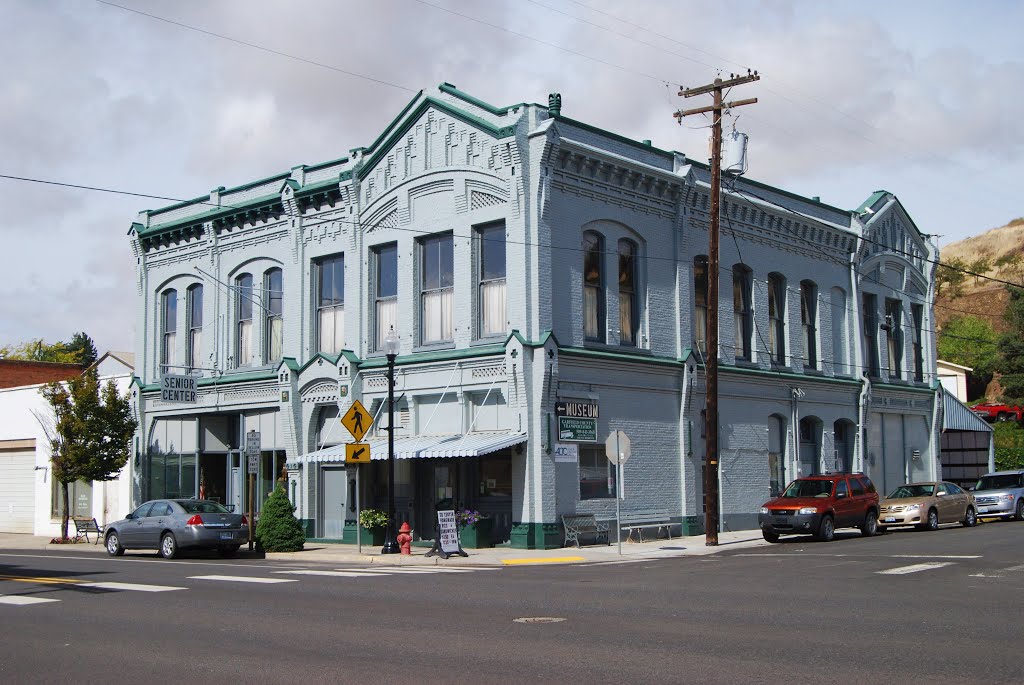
405, 538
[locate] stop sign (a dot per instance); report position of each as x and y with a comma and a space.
616, 447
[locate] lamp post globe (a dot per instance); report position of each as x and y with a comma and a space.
391, 350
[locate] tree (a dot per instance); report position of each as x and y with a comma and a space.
90, 433
278, 530
82, 346
980, 267
1011, 349
81, 350
970, 341
950, 275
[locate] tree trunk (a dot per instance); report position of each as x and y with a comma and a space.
67, 512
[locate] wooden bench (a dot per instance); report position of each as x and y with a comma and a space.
636, 521
583, 524
84, 526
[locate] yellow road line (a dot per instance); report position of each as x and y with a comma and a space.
543, 560
41, 580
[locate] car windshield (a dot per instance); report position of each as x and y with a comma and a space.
905, 491
1002, 482
194, 506
809, 488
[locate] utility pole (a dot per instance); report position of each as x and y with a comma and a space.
711, 494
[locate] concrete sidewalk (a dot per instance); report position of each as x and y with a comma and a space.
499, 556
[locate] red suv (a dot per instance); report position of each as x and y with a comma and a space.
819, 504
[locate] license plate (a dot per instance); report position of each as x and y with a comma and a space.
890, 519
227, 536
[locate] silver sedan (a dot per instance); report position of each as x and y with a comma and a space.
169, 525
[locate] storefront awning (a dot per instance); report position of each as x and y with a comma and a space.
423, 446
957, 416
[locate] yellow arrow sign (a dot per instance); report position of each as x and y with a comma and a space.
357, 420
357, 453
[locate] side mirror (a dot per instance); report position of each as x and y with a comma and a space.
129, 516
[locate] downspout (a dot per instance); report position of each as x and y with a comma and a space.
685, 430
864, 396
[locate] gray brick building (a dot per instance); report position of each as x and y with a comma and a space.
525, 259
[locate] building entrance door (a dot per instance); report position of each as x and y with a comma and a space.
334, 481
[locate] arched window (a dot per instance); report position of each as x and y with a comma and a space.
870, 314
894, 336
810, 446
628, 310
776, 454
742, 282
169, 326
243, 308
839, 365
273, 331
809, 322
593, 286
700, 305
777, 318
195, 326
844, 432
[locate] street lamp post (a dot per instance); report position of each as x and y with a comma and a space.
391, 349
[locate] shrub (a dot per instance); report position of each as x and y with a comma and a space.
372, 518
278, 530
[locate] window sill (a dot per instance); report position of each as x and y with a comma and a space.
607, 347
488, 340
747, 364
433, 347
813, 372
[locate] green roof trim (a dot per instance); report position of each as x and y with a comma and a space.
875, 197
383, 145
318, 186
544, 337
332, 360
615, 136
210, 215
788, 375
324, 165
903, 388
620, 356
466, 97
436, 356
290, 363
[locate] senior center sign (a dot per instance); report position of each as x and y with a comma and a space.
178, 388
576, 421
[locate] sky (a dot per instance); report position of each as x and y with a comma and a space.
173, 99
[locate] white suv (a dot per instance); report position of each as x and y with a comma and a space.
1000, 494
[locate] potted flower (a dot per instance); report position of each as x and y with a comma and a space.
475, 529
374, 524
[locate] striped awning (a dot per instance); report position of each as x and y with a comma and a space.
957, 416
423, 446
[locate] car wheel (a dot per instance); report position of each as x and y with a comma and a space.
1001, 416
1019, 515
770, 537
114, 547
932, 522
827, 529
970, 518
168, 546
229, 551
870, 526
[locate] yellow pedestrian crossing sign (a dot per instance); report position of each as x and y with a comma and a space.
357, 453
357, 420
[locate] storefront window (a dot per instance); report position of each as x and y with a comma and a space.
79, 497
597, 474
495, 476
172, 476
270, 470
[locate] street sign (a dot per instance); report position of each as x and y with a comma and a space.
616, 447
178, 388
577, 421
357, 420
568, 453
357, 453
252, 450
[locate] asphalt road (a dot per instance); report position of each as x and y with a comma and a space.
796, 612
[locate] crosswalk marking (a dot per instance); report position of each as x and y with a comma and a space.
21, 601
903, 570
245, 579
135, 587
337, 574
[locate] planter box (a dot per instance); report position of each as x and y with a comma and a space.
477, 535
368, 537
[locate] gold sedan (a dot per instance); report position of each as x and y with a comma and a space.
926, 505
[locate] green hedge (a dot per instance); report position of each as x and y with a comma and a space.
1009, 439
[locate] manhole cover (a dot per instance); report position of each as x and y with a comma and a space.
538, 619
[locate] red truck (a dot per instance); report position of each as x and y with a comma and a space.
998, 412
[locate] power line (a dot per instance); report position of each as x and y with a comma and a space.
256, 46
